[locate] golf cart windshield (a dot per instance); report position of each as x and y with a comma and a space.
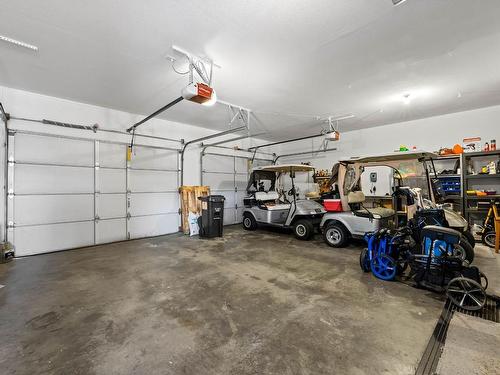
259, 179
269, 178
406, 168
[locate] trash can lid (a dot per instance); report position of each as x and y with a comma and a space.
212, 198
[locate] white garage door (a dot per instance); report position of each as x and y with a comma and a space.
227, 175
70, 192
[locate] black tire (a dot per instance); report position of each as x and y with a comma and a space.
484, 280
488, 238
249, 222
303, 229
364, 263
470, 238
335, 235
466, 293
464, 250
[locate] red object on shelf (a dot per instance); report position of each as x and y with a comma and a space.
333, 205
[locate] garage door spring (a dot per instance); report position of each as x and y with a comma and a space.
72, 126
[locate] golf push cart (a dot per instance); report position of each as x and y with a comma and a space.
408, 168
270, 203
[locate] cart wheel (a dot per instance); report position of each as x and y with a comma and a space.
303, 229
335, 235
488, 238
464, 251
364, 260
249, 222
466, 293
384, 267
484, 280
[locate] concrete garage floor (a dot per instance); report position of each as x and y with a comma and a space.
251, 303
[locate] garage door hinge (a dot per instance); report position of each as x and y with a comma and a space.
97, 218
128, 215
179, 211
11, 224
236, 188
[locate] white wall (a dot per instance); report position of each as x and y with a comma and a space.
25, 104
429, 134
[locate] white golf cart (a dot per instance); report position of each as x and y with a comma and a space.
270, 202
360, 215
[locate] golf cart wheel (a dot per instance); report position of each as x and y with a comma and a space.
488, 239
335, 235
303, 229
384, 267
466, 293
364, 260
464, 250
249, 222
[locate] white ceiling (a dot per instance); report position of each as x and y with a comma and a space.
287, 60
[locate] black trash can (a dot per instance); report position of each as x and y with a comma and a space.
211, 220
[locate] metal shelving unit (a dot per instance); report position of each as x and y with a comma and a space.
455, 197
473, 212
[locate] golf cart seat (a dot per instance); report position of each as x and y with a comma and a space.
269, 199
356, 199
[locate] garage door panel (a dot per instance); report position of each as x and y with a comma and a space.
58, 191
148, 226
52, 150
111, 180
241, 181
215, 163
218, 181
261, 163
240, 195
37, 179
112, 155
111, 205
153, 203
150, 158
152, 181
44, 238
44, 209
229, 216
229, 195
241, 165
239, 215
111, 230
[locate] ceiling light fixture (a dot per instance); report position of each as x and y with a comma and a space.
397, 2
18, 43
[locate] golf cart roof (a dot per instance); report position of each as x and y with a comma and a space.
393, 156
286, 168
